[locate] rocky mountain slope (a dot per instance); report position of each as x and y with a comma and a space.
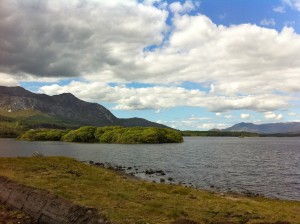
17, 102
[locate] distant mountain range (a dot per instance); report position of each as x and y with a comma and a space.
270, 128
63, 110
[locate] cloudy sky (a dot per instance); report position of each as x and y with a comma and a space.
196, 65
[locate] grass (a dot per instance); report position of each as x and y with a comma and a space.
127, 200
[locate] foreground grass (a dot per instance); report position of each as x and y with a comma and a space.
127, 200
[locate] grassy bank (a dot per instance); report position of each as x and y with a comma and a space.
127, 200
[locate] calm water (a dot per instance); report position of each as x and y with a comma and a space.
268, 166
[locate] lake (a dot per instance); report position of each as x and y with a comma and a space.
267, 166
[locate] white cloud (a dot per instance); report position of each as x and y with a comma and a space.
245, 116
7, 80
194, 118
74, 38
292, 114
279, 9
209, 126
295, 4
188, 125
228, 116
160, 97
177, 7
267, 22
272, 115
107, 41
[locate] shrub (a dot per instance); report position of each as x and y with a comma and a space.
44, 135
82, 134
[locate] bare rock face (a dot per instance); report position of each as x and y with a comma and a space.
64, 106
45, 207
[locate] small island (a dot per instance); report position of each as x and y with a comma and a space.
109, 134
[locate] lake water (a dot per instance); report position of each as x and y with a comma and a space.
268, 166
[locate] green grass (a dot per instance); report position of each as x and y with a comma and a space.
127, 200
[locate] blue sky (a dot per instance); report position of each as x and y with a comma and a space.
192, 65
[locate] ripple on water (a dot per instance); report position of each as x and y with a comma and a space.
268, 166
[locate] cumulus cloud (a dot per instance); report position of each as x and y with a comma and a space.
160, 97
72, 38
7, 80
272, 115
129, 41
178, 7
245, 116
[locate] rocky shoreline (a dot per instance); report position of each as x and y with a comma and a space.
161, 176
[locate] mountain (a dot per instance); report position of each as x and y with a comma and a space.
270, 128
64, 110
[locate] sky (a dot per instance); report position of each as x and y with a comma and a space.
191, 65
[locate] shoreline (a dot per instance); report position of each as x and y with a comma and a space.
126, 199
161, 177
211, 183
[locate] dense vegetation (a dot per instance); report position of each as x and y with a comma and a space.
126, 201
83, 134
137, 135
44, 135
219, 133
110, 134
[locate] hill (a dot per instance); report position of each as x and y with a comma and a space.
270, 128
22, 108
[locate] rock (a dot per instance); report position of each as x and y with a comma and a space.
170, 179
161, 172
150, 172
162, 180
119, 168
99, 164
